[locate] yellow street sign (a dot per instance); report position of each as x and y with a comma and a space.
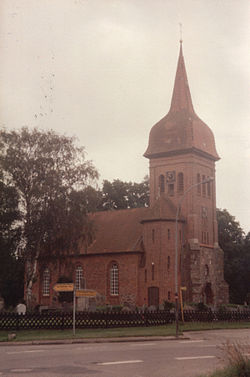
64, 287
183, 288
86, 293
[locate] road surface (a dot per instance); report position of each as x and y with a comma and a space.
168, 358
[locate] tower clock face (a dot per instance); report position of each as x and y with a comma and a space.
170, 176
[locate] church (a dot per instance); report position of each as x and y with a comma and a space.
141, 256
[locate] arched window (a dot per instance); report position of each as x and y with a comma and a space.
161, 183
206, 270
46, 282
203, 186
198, 186
79, 280
114, 280
171, 189
180, 183
209, 189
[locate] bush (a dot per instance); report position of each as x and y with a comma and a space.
117, 308
238, 364
168, 305
202, 307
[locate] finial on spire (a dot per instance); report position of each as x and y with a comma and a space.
180, 24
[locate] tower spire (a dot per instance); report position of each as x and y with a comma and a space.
181, 98
180, 24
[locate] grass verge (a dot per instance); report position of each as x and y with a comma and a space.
169, 330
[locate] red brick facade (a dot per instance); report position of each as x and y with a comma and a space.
132, 258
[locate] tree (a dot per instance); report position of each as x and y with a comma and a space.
122, 195
236, 256
11, 267
229, 230
49, 173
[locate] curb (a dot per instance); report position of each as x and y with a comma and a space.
92, 340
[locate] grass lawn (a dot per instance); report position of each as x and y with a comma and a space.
169, 330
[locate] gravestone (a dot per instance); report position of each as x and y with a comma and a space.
21, 308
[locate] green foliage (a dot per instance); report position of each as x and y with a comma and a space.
116, 308
238, 364
122, 195
168, 305
11, 267
236, 249
201, 307
117, 195
49, 173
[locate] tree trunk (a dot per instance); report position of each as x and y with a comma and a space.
31, 268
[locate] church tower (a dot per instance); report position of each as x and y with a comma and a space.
182, 153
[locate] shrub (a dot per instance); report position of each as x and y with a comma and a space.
168, 305
202, 307
238, 363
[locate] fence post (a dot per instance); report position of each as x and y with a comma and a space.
106, 320
17, 321
62, 321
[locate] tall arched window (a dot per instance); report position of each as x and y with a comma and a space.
203, 186
46, 282
208, 189
79, 280
114, 280
180, 183
198, 186
161, 183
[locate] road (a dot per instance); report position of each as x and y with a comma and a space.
168, 358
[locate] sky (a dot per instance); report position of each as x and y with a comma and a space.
103, 71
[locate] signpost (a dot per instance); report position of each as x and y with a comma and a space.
86, 293
64, 287
69, 287
181, 299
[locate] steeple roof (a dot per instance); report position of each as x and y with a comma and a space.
181, 130
181, 98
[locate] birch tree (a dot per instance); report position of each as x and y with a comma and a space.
49, 172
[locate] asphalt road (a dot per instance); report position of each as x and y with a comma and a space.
203, 352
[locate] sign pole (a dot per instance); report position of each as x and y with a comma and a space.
74, 312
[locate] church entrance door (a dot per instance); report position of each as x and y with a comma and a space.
208, 294
153, 296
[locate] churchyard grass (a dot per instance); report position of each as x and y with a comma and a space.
169, 330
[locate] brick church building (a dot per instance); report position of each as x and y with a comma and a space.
131, 260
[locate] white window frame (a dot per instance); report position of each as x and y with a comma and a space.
79, 281
46, 282
114, 280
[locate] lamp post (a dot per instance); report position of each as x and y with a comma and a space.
207, 180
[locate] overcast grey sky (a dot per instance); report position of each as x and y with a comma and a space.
103, 70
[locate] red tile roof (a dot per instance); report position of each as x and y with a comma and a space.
117, 230
121, 230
